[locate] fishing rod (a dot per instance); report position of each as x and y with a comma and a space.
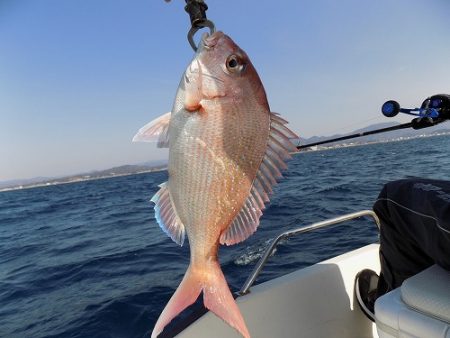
434, 110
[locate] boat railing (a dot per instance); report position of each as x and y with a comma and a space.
260, 265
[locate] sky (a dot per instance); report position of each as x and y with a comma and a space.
78, 78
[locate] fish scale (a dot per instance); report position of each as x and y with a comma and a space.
220, 160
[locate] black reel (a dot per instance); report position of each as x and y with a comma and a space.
441, 102
435, 109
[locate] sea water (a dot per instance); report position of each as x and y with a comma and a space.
88, 259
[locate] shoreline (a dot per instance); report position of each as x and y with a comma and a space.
356, 144
78, 180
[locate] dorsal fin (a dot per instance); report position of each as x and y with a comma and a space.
156, 130
166, 215
279, 147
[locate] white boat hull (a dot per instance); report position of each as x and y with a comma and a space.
317, 301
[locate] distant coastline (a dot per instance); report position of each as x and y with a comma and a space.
127, 170
357, 143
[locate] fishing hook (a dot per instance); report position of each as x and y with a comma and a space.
194, 29
197, 14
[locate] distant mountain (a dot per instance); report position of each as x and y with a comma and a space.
120, 170
158, 165
128, 169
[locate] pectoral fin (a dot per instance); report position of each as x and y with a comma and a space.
155, 131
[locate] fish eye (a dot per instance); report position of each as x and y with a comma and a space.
234, 64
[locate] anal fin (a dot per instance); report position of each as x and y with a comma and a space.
166, 215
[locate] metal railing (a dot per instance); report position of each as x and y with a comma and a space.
259, 266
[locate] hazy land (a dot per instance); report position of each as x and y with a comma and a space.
398, 135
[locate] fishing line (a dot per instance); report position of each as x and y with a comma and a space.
434, 110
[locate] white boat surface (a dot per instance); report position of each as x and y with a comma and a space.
319, 301
316, 301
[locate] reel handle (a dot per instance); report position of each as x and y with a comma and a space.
390, 108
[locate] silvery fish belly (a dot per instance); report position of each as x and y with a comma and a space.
226, 152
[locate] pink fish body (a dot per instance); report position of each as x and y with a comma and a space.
226, 151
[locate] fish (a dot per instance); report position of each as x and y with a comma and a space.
226, 152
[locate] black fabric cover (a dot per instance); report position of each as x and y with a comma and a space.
415, 229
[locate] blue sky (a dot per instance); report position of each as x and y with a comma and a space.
78, 78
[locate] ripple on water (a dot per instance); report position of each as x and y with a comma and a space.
89, 260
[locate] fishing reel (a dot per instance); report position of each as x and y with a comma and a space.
435, 109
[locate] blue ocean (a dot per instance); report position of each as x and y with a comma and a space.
88, 259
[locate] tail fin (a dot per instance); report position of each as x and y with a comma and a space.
218, 298
186, 294
216, 295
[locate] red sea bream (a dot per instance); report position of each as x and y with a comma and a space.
226, 151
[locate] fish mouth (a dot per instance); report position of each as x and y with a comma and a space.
209, 41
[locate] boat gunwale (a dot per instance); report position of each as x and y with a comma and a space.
297, 231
